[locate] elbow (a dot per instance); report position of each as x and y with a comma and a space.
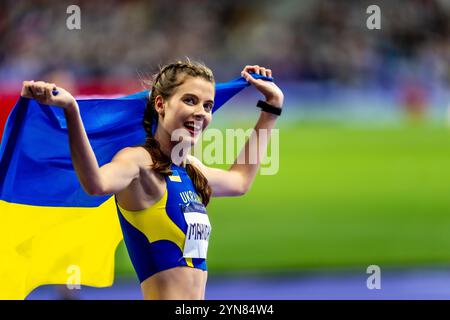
242, 189
94, 190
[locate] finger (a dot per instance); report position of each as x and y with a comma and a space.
31, 89
26, 92
37, 89
40, 86
40, 83
247, 68
44, 87
39, 92
263, 72
252, 68
48, 92
269, 73
50, 86
248, 77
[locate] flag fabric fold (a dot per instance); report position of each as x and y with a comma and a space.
51, 231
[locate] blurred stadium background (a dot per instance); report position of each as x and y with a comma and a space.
364, 139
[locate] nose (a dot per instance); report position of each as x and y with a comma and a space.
199, 117
199, 112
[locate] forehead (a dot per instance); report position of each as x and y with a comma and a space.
202, 88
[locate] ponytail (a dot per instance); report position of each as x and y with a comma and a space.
200, 183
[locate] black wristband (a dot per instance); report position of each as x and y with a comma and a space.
268, 107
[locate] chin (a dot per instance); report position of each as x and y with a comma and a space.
189, 138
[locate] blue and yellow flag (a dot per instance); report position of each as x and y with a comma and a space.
49, 227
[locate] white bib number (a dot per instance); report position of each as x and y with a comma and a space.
198, 231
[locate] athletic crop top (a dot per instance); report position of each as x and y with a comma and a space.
172, 232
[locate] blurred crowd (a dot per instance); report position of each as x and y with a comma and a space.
325, 40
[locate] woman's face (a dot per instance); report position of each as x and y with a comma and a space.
188, 111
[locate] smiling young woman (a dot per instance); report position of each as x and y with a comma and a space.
161, 197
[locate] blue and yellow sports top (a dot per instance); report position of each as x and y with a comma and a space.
171, 233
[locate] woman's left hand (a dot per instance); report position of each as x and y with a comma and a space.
270, 90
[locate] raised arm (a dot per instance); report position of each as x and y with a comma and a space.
239, 177
111, 177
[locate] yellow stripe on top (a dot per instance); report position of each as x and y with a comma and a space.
189, 262
154, 223
175, 178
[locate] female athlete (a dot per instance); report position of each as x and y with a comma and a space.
160, 194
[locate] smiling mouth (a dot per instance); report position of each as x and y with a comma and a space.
192, 127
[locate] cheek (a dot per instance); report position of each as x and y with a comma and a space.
170, 122
173, 116
208, 120
181, 112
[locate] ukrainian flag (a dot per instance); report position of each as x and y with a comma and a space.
175, 176
49, 227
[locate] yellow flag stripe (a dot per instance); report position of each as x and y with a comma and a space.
56, 245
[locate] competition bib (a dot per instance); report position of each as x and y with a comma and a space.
198, 231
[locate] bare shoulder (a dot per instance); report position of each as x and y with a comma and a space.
137, 154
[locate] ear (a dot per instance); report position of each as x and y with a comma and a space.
159, 105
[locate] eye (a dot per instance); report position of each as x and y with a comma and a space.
208, 106
189, 101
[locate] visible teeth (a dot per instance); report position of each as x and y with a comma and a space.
193, 126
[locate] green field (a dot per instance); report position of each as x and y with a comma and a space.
345, 196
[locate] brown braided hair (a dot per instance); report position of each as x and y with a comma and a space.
164, 84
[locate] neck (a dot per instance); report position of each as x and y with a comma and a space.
172, 149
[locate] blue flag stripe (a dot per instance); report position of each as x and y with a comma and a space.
35, 162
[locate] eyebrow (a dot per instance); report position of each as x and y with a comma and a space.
195, 96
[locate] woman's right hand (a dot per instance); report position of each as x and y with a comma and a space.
42, 92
